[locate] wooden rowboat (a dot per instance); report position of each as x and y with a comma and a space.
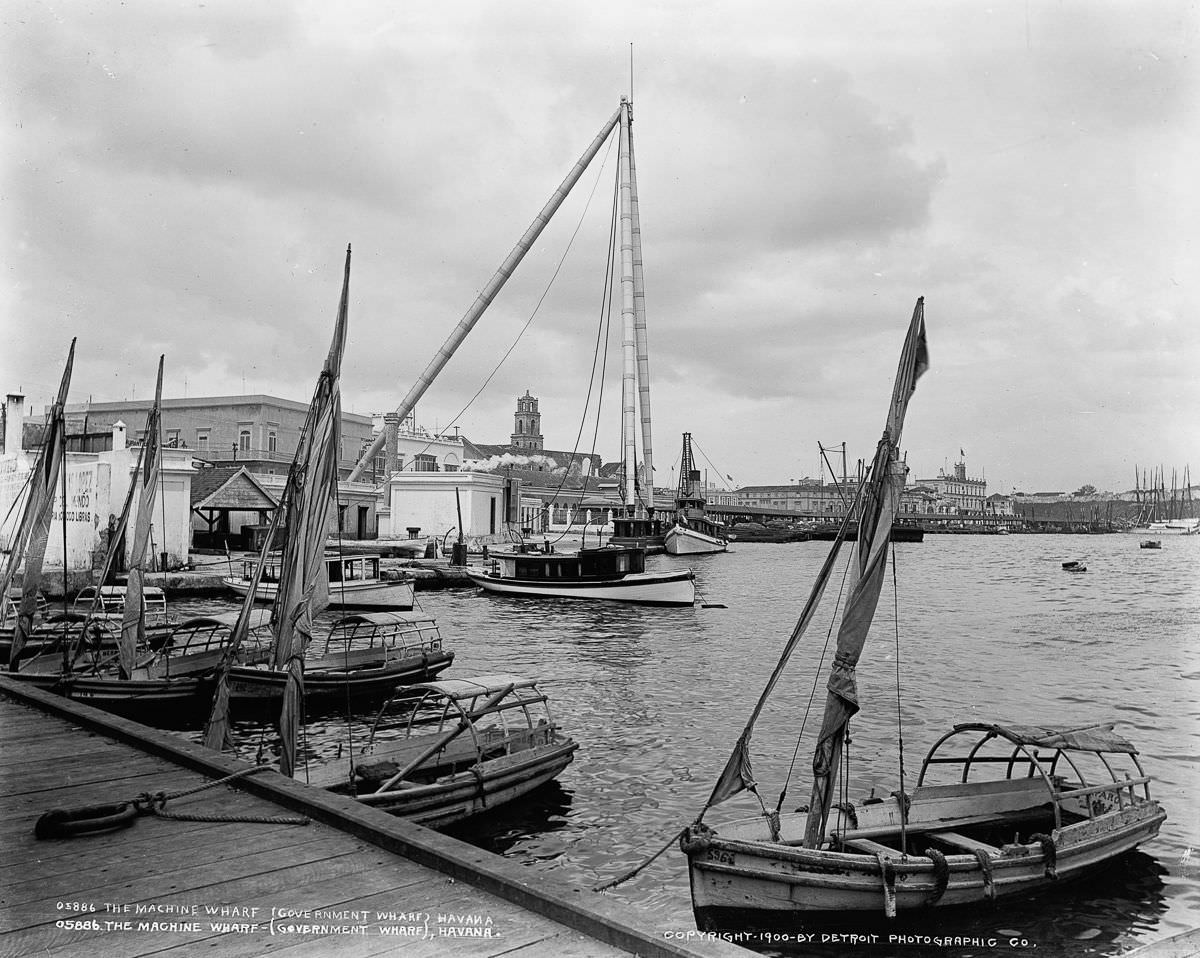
440, 752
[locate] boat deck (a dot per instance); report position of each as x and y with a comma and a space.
354, 881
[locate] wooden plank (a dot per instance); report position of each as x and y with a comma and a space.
608, 921
183, 880
211, 843
43, 861
868, 847
360, 871
970, 845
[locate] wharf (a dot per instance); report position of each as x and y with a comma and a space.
355, 881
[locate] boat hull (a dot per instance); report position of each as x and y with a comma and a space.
342, 595
178, 703
644, 588
682, 541
262, 687
478, 790
761, 884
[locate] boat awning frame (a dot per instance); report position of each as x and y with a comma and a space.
1026, 758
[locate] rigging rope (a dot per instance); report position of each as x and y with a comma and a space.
599, 354
65, 823
817, 673
538, 305
899, 716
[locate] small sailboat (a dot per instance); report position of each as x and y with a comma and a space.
440, 752
154, 676
363, 659
998, 809
28, 546
364, 655
694, 532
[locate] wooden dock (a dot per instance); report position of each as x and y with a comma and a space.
354, 881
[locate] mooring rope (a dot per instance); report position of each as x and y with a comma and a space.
92, 819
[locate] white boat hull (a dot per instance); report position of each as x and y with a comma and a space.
682, 541
748, 884
342, 595
1175, 527
645, 588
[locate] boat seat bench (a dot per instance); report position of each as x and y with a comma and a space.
868, 847
963, 843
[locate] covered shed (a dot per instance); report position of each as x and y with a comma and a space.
230, 509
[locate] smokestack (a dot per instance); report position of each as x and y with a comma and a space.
14, 423
118, 431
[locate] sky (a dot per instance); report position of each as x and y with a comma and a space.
183, 179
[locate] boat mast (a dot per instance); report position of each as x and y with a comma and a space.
490, 291
879, 503
133, 621
639, 321
628, 321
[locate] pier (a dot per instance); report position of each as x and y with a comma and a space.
353, 881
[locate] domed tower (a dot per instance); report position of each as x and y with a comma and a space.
527, 427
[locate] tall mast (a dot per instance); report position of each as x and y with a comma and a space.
628, 319
639, 313
490, 291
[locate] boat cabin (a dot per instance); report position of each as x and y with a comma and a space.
591, 565
340, 568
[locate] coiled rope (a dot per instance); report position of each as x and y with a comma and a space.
95, 819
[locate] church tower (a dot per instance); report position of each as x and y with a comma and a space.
527, 428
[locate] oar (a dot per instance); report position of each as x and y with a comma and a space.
446, 738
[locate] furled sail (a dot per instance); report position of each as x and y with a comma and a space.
34, 529
133, 621
879, 508
216, 730
311, 486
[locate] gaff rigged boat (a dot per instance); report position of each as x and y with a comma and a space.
608, 572
1018, 806
440, 752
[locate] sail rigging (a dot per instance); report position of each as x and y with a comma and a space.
882, 494
34, 530
311, 486
133, 621
877, 510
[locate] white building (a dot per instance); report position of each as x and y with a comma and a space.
428, 505
97, 484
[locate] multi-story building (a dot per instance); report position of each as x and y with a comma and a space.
807, 496
957, 491
260, 432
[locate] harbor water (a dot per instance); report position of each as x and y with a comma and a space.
977, 628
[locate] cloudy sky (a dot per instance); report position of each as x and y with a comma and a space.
183, 178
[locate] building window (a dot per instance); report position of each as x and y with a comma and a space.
201, 438
423, 462
244, 440
172, 441
272, 441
